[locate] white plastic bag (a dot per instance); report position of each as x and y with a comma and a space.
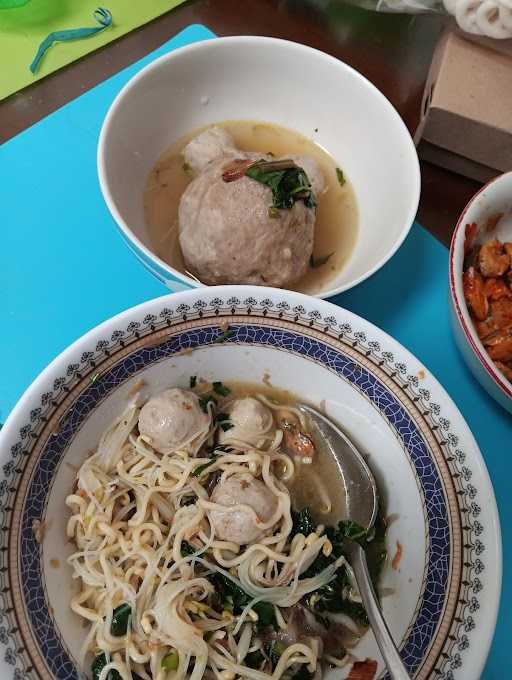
490, 18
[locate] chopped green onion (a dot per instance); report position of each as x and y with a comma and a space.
273, 212
199, 470
340, 176
171, 661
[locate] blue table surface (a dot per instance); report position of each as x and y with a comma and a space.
65, 269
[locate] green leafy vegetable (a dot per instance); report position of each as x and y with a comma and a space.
186, 549
99, 664
120, 618
321, 562
266, 614
302, 673
302, 522
224, 336
330, 598
171, 661
227, 589
221, 389
288, 182
349, 529
315, 262
322, 620
235, 599
340, 176
355, 611
221, 449
224, 421
193, 381
254, 659
273, 650
201, 468
204, 401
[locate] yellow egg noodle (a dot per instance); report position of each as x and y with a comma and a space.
153, 540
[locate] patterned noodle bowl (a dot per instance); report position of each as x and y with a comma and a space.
427, 463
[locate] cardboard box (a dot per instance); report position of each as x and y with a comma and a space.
503, 46
466, 123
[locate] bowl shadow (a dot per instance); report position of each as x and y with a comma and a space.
386, 295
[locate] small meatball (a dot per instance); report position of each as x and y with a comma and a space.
474, 293
493, 260
228, 232
251, 421
240, 526
209, 146
173, 420
312, 170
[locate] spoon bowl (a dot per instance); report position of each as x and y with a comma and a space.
361, 494
362, 504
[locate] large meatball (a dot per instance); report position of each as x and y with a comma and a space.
173, 420
228, 234
250, 419
239, 526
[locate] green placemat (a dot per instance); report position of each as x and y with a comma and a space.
22, 29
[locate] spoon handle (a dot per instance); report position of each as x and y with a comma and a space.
387, 647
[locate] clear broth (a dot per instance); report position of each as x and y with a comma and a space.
304, 486
337, 214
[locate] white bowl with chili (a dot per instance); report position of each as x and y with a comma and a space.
481, 287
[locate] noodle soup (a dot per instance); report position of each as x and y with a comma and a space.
202, 545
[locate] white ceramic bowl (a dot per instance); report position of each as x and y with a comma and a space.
442, 595
255, 78
495, 197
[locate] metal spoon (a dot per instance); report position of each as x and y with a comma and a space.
362, 504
